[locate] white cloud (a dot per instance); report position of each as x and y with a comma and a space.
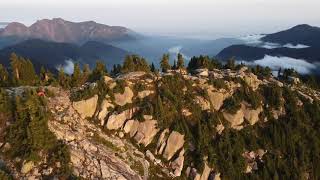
175, 50
67, 67
299, 65
255, 40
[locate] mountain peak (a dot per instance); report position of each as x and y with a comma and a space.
60, 30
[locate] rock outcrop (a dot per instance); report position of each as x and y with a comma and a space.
89, 159
105, 106
252, 115
236, 119
86, 108
174, 143
125, 98
162, 141
146, 132
252, 81
116, 121
144, 93
177, 164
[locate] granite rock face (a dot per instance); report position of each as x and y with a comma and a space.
86, 108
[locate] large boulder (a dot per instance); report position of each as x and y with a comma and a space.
203, 103
217, 98
27, 167
162, 141
174, 143
127, 127
125, 98
134, 128
144, 93
107, 79
146, 132
234, 119
132, 75
177, 164
206, 172
116, 121
106, 104
86, 108
252, 115
252, 81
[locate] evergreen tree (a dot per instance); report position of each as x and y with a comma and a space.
63, 79
86, 73
135, 63
180, 62
43, 75
98, 72
174, 67
152, 68
4, 76
164, 63
231, 64
279, 72
15, 67
76, 76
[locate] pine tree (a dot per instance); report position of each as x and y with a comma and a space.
174, 67
231, 64
4, 76
180, 62
15, 66
43, 75
76, 76
86, 73
98, 72
62, 78
152, 68
164, 63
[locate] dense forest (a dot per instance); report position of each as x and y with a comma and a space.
292, 141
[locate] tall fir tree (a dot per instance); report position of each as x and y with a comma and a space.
76, 76
180, 62
152, 67
164, 63
174, 67
4, 76
98, 72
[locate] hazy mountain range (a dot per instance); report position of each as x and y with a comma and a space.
54, 42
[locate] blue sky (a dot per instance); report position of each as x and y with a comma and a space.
188, 18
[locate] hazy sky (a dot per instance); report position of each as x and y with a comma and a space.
190, 18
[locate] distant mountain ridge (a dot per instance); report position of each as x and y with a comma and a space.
300, 34
250, 53
59, 30
52, 54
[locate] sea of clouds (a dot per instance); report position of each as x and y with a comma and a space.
255, 40
300, 65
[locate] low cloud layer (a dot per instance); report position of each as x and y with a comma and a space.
175, 50
275, 63
255, 40
68, 66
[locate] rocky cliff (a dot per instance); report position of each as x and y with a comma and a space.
147, 126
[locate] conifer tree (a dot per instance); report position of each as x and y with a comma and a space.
98, 72
76, 76
152, 68
180, 62
4, 76
164, 63
15, 66
62, 78
86, 73
174, 67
